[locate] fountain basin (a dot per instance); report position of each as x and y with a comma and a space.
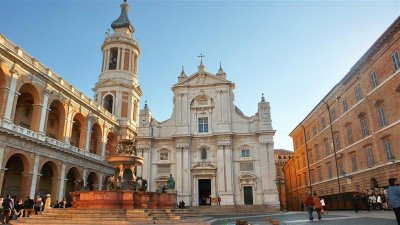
123, 199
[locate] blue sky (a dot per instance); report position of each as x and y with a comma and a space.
292, 51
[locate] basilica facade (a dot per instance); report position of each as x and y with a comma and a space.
54, 139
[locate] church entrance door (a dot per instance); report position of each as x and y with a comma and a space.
248, 195
204, 191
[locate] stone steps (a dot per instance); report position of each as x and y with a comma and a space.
228, 210
112, 217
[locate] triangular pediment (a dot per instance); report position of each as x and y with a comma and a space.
200, 79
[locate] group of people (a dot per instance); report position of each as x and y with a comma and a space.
314, 202
369, 202
12, 210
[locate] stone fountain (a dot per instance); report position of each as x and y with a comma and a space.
124, 190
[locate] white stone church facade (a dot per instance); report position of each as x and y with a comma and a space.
52, 136
209, 146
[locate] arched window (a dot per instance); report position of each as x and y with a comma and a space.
203, 153
108, 103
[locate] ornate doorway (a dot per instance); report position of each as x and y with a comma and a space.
204, 191
248, 195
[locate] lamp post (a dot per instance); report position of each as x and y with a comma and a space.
279, 181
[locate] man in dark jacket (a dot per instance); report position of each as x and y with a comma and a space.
28, 207
8, 205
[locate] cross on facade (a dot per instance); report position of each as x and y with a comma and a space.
201, 58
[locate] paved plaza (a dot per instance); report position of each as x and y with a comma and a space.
298, 218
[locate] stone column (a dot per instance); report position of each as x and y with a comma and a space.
221, 169
44, 111
101, 182
130, 104
11, 95
179, 170
122, 58
2, 170
62, 182
119, 58
88, 131
186, 171
268, 171
84, 178
35, 174
68, 124
130, 60
118, 102
108, 59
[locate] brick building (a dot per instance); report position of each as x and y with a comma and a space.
352, 136
281, 157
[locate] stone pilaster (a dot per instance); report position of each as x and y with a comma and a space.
35, 174
62, 182
88, 131
11, 94
43, 113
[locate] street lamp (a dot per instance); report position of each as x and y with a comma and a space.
279, 181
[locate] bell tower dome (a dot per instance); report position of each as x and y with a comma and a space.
117, 89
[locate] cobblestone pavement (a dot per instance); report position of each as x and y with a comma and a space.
299, 218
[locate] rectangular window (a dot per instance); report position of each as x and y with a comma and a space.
305, 178
374, 80
350, 135
388, 149
312, 176
299, 178
340, 166
345, 107
353, 162
310, 156
248, 166
327, 151
163, 169
358, 93
317, 152
323, 122
245, 153
303, 157
364, 126
333, 114
319, 174
163, 155
370, 158
314, 130
203, 124
337, 142
382, 118
329, 168
396, 61
298, 163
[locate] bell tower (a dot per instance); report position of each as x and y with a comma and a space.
117, 89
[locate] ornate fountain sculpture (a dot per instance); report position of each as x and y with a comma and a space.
125, 189
125, 162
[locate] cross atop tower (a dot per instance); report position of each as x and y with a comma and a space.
201, 56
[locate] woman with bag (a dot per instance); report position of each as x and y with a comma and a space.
317, 205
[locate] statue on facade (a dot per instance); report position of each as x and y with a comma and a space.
170, 183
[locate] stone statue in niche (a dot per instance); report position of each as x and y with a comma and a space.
170, 183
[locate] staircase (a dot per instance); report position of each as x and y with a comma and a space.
72, 216
234, 210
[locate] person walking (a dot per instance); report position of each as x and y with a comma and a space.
379, 202
309, 206
394, 197
219, 200
47, 203
317, 205
7, 207
356, 201
28, 206
364, 199
323, 210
